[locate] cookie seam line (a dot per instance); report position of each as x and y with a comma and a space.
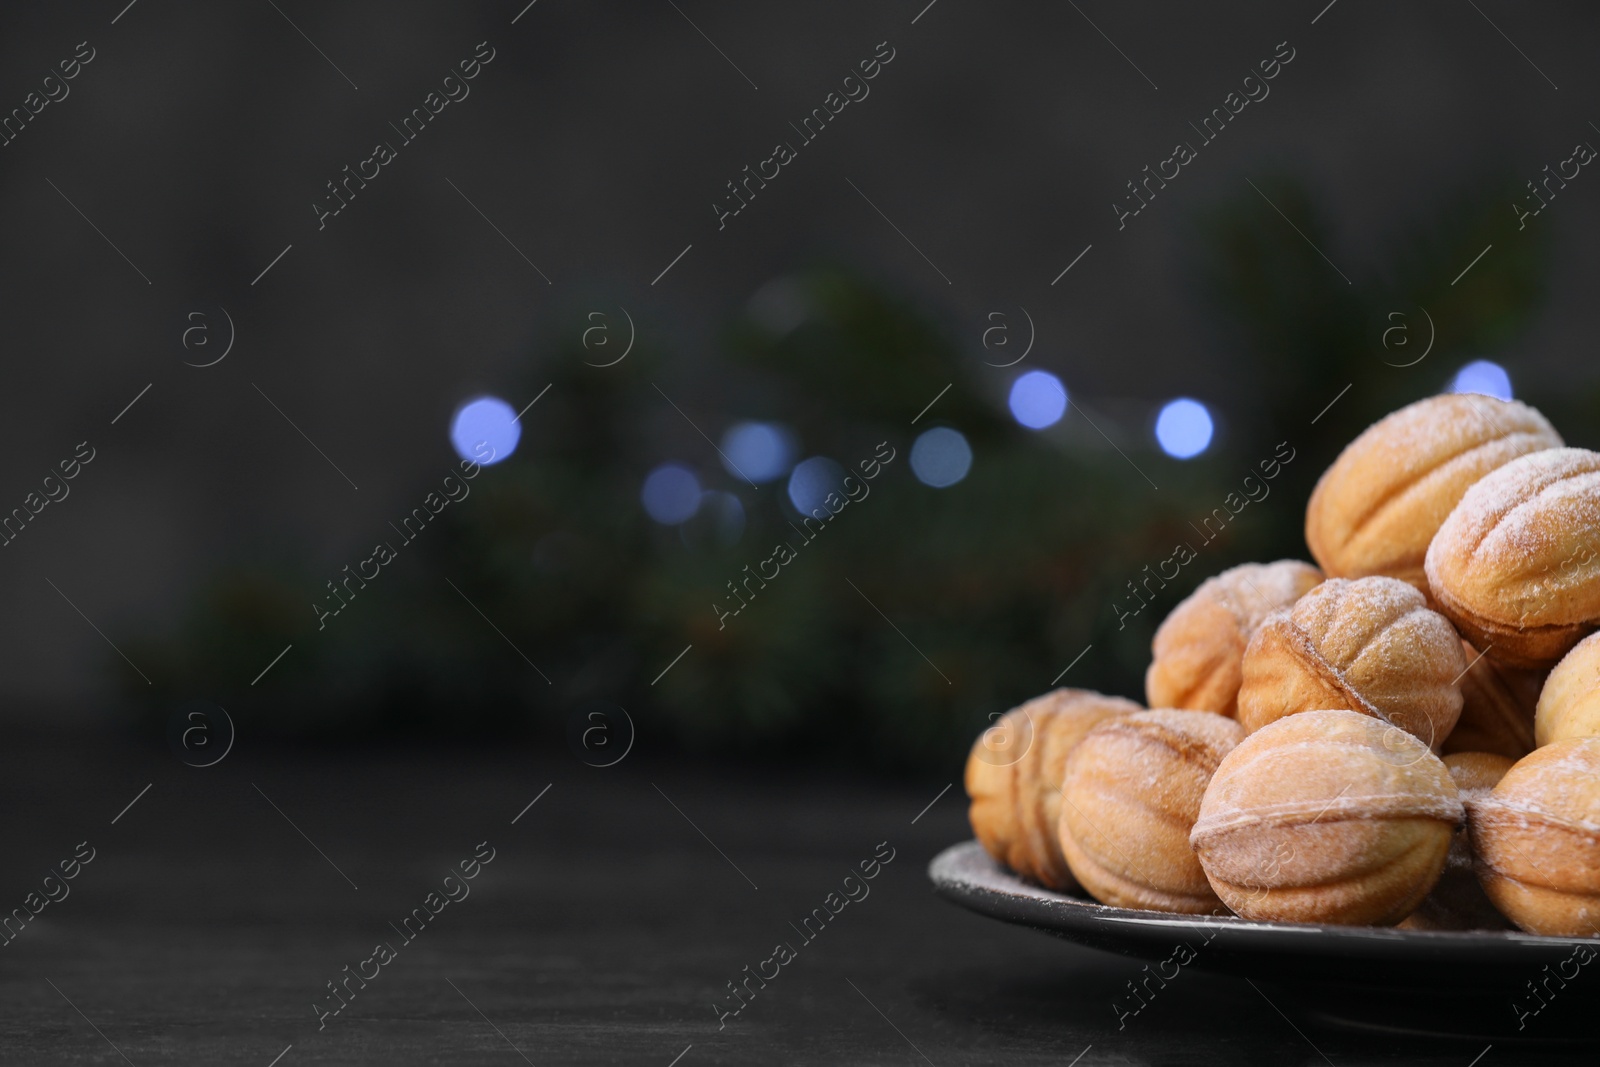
1400, 805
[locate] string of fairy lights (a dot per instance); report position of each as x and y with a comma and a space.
763, 452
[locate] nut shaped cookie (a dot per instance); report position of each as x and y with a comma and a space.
1014, 779
1497, 705
1458, 901
1516, 566
1569, 704
1375, 510
1370, 645
1132, 791
1199, 648
1536, 839
1327, 817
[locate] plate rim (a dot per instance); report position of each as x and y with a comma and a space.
966, 874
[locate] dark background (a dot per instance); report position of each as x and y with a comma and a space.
190, 150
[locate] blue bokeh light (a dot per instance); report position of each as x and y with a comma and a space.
671, 494
1183, 429
1482, 376
1038, 399
940, 457
485, 430
812, 480
759, 451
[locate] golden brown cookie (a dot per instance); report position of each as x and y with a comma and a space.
1458, 901
1375, 510
1569, 704
1200, 646
1516, 566
1536, 839
1369, 645
1014, 779
1327, 817
1497, 705
1132, 790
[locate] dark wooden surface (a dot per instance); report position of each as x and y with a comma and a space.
606, 927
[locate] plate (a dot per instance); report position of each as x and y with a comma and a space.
1474, 985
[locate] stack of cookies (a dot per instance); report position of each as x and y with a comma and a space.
1406, 733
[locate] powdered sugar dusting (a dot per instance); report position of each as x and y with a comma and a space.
1340, 807
1426, 441
1559, 783
1523, 546
1477, 773
1348, 621
1252, 591
1319, 611
1201, 737
1319, 766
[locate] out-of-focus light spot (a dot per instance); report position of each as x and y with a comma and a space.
671, 494
779, 306
760, 451
1482, 376
485, 430
726, 513
1038, 399
1183, 429
940, 457
812, 480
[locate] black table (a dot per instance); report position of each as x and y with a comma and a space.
615, 910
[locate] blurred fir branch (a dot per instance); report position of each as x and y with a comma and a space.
1000, 581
